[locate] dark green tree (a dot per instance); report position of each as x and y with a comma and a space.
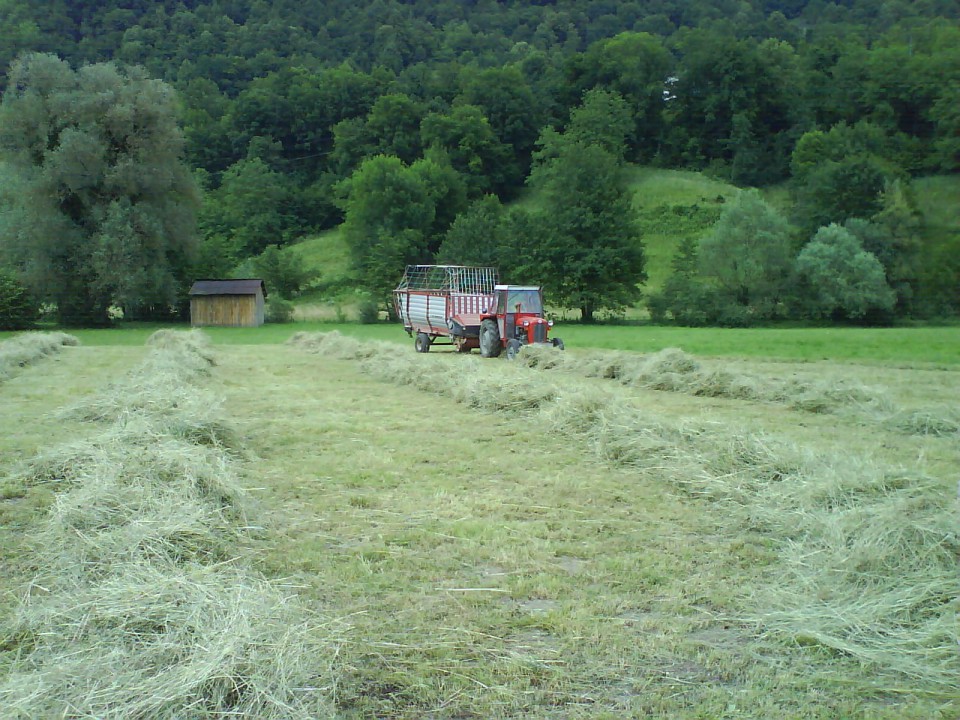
477, 236
250, 209
445, 189
853, 187
635, 66
748, 256
945, 113
105, 210
686, 297
393, 125
729, 99
282, 272
591, 256
18, 308
603, 118
508, 103
471, 146
395, 217
840, 279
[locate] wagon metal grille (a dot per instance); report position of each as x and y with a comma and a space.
455, 278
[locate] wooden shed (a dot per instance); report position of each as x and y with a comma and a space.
227, 303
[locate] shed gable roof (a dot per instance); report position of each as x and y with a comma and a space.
248, 286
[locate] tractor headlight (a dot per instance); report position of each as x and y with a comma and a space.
549, 323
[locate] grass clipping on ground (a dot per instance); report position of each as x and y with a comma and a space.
140, 608
29, 347
869, 552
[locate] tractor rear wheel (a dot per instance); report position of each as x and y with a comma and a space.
490, 345
422, 342
513, 348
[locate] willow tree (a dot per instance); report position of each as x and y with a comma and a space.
104, 213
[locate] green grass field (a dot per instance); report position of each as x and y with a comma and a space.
921, 345
504, 542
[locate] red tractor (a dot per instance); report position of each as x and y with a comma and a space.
467, 306
513, 320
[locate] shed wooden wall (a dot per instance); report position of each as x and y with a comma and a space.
226, 310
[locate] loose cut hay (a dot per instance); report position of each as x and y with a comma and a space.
27, 348
334, 344
168, 388
137, 450
508, 391
938, 421
134, 613
132, 495
871, 574
673, 370
167, 641
195, 342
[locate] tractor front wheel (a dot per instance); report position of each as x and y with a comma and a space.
490, 345
422, 342
557, 343
513, 348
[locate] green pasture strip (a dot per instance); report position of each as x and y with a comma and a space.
925, 345
939, 345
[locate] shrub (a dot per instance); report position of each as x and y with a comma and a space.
369, 312
18, 309
279, 311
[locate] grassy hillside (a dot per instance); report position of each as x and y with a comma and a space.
937, 200
328, 255
672, 205
331, 295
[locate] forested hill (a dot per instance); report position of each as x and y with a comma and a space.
409, 120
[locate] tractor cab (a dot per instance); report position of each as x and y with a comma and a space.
520, 313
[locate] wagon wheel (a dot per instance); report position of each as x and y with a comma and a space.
490, 346
422, 342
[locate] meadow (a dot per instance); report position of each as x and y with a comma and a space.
902, 345
762, 524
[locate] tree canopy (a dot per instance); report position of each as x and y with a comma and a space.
281, 103
104, 211
591, 254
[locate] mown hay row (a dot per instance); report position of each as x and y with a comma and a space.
169, 388
141, 608
940, 421
27, 348
161, 640
869, 571
673, 370
869, 552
